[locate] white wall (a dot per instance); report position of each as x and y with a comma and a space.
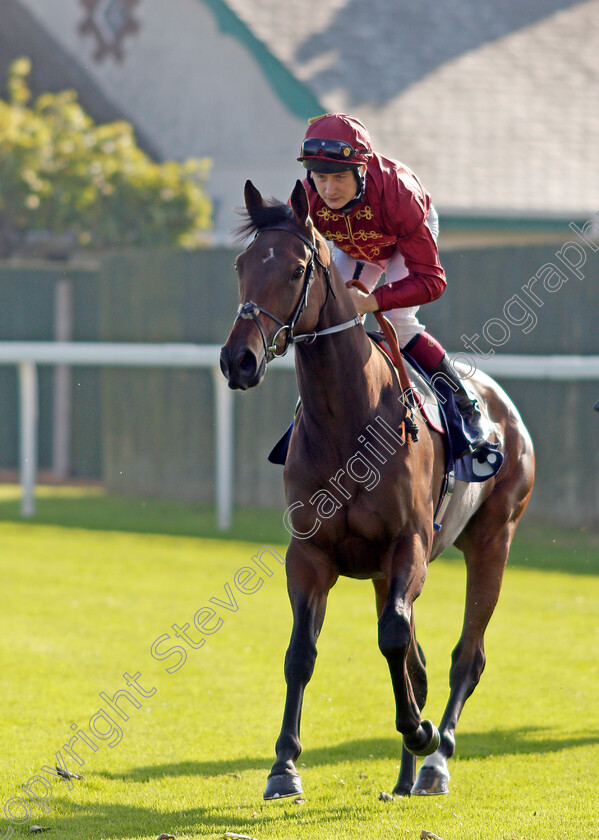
195, 92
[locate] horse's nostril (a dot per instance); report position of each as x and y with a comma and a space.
246, 364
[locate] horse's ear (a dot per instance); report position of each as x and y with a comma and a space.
299, 204
252, 196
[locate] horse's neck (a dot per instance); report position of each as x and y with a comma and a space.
332, 371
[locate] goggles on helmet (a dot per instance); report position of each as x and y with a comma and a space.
336, 149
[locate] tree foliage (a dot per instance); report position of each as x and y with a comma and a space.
62, 173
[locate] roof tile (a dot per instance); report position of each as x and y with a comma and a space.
496, 106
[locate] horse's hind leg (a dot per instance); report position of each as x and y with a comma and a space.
486, 555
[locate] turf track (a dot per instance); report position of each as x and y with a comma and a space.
92, 583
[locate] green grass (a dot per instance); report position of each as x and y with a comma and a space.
92, 581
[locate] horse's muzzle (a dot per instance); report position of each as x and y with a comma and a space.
241, 367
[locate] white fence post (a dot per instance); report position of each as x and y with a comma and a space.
28, 392
62, 397
224, 450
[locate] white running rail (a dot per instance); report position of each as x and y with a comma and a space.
27, 355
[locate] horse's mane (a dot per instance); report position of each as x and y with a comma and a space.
267, 215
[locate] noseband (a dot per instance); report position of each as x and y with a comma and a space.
252, 310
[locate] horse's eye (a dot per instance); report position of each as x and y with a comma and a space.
298, 272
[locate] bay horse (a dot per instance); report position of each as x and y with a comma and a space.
353, 509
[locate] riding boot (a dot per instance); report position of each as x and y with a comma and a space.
466, 403
431, 356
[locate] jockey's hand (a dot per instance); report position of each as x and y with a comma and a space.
364, 303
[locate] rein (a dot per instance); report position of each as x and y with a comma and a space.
402, 373
252, 310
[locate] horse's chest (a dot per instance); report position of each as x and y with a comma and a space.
360, 536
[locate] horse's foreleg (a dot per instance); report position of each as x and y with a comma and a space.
396, 640
485, 560
308, 594
416, 666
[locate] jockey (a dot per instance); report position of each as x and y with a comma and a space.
375, 211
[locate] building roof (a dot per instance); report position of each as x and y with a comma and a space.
494, 105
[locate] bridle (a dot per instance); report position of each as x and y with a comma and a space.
252, 310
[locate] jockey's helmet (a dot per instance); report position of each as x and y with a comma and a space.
335, 143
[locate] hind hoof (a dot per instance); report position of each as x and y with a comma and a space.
283, 785
402, 790
430, 782
425, 741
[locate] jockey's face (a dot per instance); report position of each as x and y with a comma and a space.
335, 188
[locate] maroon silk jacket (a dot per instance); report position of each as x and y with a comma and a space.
391, 217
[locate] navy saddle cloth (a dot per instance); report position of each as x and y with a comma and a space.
467, 466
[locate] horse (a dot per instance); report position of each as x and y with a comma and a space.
361, 496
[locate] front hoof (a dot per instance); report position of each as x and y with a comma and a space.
283, 785
425, 741
431, 782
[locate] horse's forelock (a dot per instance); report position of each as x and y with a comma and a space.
267, 215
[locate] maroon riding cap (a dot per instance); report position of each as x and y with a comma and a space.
336, 138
